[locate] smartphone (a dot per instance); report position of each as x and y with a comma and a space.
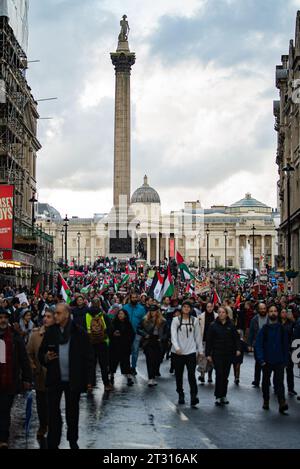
53, 348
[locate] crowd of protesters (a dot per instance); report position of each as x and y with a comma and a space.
54, 342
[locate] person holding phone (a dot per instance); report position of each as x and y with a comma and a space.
67, 354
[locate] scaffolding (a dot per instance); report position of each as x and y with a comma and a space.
18, 124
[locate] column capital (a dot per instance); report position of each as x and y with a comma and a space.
123, 61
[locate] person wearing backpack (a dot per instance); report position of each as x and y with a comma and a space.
186, 348
272, 351
97, 326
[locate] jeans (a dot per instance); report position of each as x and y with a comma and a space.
180, 361
257, 372
55, 420
42, 408
6, 402
101, 356
290, 375
222, 365
278, 381
135, 350
153, 358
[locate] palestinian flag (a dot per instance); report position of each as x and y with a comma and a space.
190, 289
37, 290
156, 286
104, 287
215, 298
128, 269
85, 290
124, 280
63, 289
185, 271
168, 286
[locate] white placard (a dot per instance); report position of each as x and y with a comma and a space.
23, 298
2, 352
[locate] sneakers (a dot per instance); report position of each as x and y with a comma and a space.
152, 383
221, 401
266, 405
237, 382
201, 379
194, 401
255, 385
224, 401
292, 393
181, 399
130, 381
171, 371
133, 371
283, 407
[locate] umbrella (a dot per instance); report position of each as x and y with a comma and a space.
28, 414
75, 273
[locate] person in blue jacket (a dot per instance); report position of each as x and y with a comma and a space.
272, 352
136, 313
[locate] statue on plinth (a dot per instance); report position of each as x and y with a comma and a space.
123, 36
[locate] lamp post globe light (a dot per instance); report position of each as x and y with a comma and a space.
66, 220
253, 254
78, 243
225, 235
207, 246
289, 169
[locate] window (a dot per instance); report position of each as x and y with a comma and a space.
217, 242
230, 262
217, 261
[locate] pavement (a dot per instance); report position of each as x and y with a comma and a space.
140, 417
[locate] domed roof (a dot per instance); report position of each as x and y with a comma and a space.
145, 194
248, 202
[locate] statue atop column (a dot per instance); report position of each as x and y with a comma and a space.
123, 36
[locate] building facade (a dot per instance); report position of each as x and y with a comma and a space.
30, 258
287, 126
187, 231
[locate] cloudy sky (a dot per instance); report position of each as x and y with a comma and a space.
202, 98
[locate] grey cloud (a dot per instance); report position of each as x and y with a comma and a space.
221, 33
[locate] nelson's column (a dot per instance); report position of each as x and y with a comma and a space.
120, 242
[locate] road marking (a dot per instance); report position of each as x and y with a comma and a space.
209, 443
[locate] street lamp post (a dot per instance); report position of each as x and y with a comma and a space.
78, 241
66, 220
253, 256
62, 244
207, 246
199, 254
33, 201
226, 234
288, 170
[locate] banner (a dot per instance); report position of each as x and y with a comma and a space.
6, 216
